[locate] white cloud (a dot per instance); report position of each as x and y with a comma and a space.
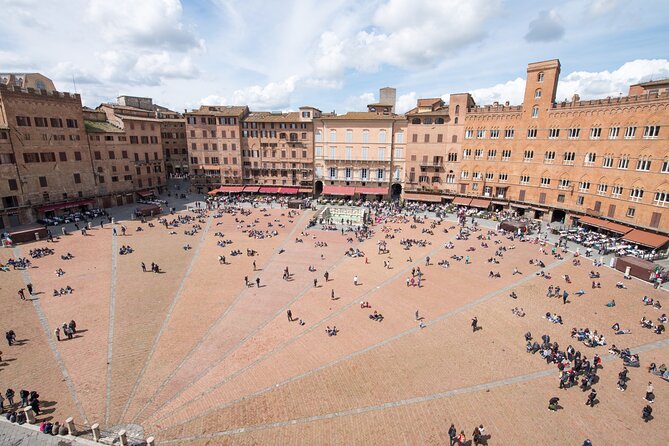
359, 103
602, 7
546, 27
511, 91
406, 102
272, 96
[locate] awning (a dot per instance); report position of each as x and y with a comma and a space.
502, 202
71, 204
371, 190
269, 190
647, 239
305, 190
231, 189
251, 188
604, 224
423, 197
462, 201
339, 190
213, 192
145, 193
520, 206
480, 203
616, 227
288, 190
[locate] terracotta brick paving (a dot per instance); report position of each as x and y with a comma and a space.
198, 358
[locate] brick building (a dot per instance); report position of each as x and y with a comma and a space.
277, 148
214, 146
559, 161
45, 157
360, 153
433, 148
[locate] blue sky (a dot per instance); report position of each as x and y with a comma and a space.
335, 55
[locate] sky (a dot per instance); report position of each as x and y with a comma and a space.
335, 54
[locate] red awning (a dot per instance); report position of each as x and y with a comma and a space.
617, 227
371, 190
269, 190
604, 224
339, 190
71, 204
305, 190
480, 203
213, 192
462, 201
251, 188
647, 239
423, 197
288, 190
231, 189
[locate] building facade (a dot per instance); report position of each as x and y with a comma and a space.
277, 148
559, 161
214, 146
45, 154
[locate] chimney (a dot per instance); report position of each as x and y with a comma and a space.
506, 104
575, 98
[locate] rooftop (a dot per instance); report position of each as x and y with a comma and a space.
101, 127
364, 116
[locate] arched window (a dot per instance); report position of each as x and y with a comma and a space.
540, 76
537, 93
415, 121
457, 109
427, 121
456, 120
439, 120
535, 111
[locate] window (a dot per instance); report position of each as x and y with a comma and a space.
480, 134
469, 134
48, 157
31, 157
540, 76
77, 156
560, 198
643, 163
349, 151
62, 156
524, 179
528, 155
636, 194
630, 212
382, 154
382, 136
365, 136
602, 188
630, 132
364, 152
399, 137
564, 183
531, 133
348, 173
494, 134
614, 132
332, 172
508, 133
537, 93
476, 176
426, 137
41, 122
580, 200
112, 155
56, 122
624, 162
464, 174
607, 161
13, 185
478, 154
23, 121
333, 135
319, 136
553, 133
71, 123
489, 175
665, 166
568, 158
584, 186
616, 191
661, 199
545, 182
589, 159
492, 154
535, 112
651, 131
398, 153
363, 174
466, 154
506, 155
549, 157
379, 174
503, 177
42, 182
574, 133
349, 135
595, 132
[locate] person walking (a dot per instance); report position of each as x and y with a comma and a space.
327, 276
254, 264
22, 294
452, 434
56, 332
355, 280
332, 295
10, 397
143, 267
257, 282
315, 283
475, 322
30, 288
417, 316
650, 396
290, 315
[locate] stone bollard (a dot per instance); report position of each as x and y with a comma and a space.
37, 236
30, 415
70, 426
122, 437
96, 432
150, 441
89, 225
113, 220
